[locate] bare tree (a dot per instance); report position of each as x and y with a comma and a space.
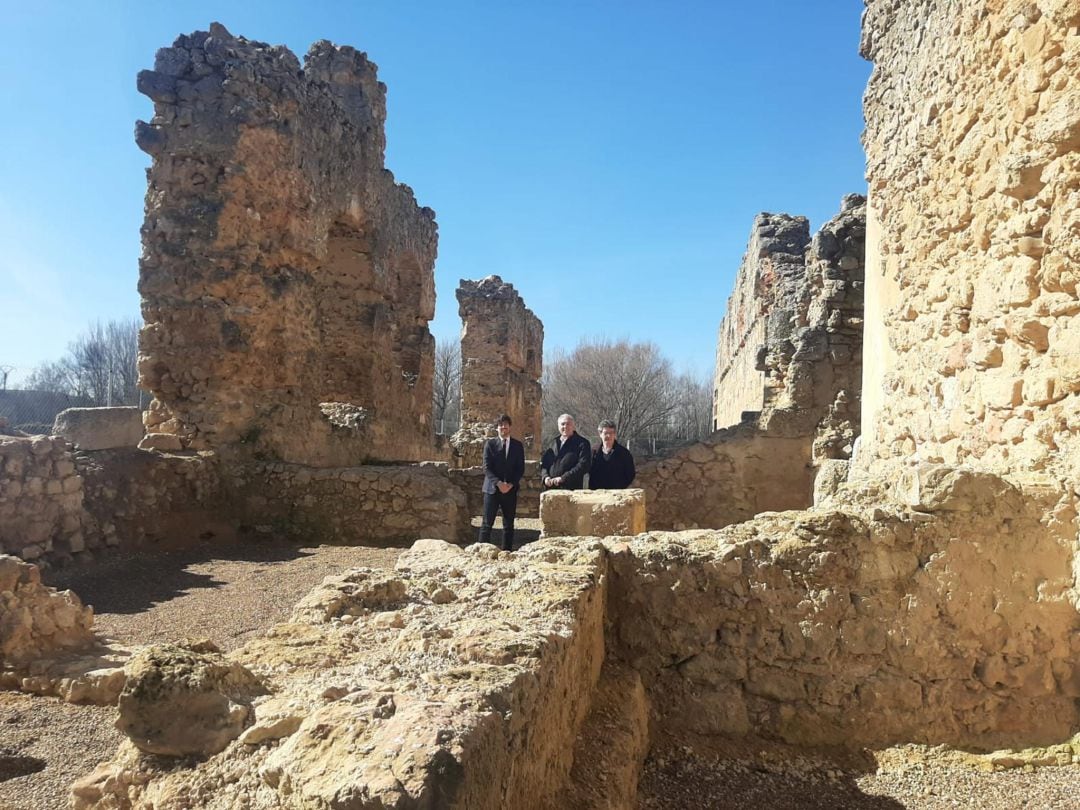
630, 383
100, 365
446, 405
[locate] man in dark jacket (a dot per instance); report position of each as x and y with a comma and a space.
612, 464
504, 464
564, 464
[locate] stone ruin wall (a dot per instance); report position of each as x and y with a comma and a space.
502, 355
771, 265
973, 161
789, 362
283, 268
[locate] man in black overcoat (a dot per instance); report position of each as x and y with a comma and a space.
504, 464
612, 464
564, 464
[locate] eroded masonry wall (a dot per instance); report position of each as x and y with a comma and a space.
790, 344
770, 268
973, 158
502, 352
286, 279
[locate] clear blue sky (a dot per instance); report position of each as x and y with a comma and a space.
607, 158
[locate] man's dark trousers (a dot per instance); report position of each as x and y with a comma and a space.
493, 502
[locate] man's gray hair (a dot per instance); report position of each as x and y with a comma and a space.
606, 423
569, 416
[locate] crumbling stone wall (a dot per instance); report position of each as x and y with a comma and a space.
771, 266
946, 619
41, 499
286, 278
788, 377
502, 353
973, 161
790, 342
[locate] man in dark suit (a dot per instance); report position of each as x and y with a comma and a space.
504, 464
565, 463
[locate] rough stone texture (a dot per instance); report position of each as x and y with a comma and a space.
100, 428
371, 505
774, 261
788, 377
393, 690
592, 513
185, 701
790, 343
36, 620
973, 259
502, 355
732, 476
41, 499
866, 625
283, 268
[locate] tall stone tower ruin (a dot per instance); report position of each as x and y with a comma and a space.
286, 279
502, 355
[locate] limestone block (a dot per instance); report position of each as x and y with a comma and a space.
36, 620
164, 442
592, 513
100, 428
936, 487
178, 701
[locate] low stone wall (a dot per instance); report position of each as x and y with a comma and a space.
732, 476
41, 494
369, 505
949, 620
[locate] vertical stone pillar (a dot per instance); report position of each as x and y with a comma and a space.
502, 348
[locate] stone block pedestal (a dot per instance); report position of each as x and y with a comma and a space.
592, 513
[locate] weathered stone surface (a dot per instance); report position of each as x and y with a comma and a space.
866, 625
181, 702
41, 500
790, 344
730, 477
282, 266
592, 513
36, 620
502, 354
403, 700
100, 428
972, 269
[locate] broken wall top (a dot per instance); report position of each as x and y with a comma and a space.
283, 268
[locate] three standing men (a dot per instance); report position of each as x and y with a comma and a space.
565, 463
504, 464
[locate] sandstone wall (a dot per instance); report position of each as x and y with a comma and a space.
950, 622
370, 505
502, 352
972, 136
770, 268
286, 279
41, 500
735, 474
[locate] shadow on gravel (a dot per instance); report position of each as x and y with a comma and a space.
136, 581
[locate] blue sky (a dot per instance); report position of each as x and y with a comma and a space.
607, 158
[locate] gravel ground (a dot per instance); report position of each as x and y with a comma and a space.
906, 778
